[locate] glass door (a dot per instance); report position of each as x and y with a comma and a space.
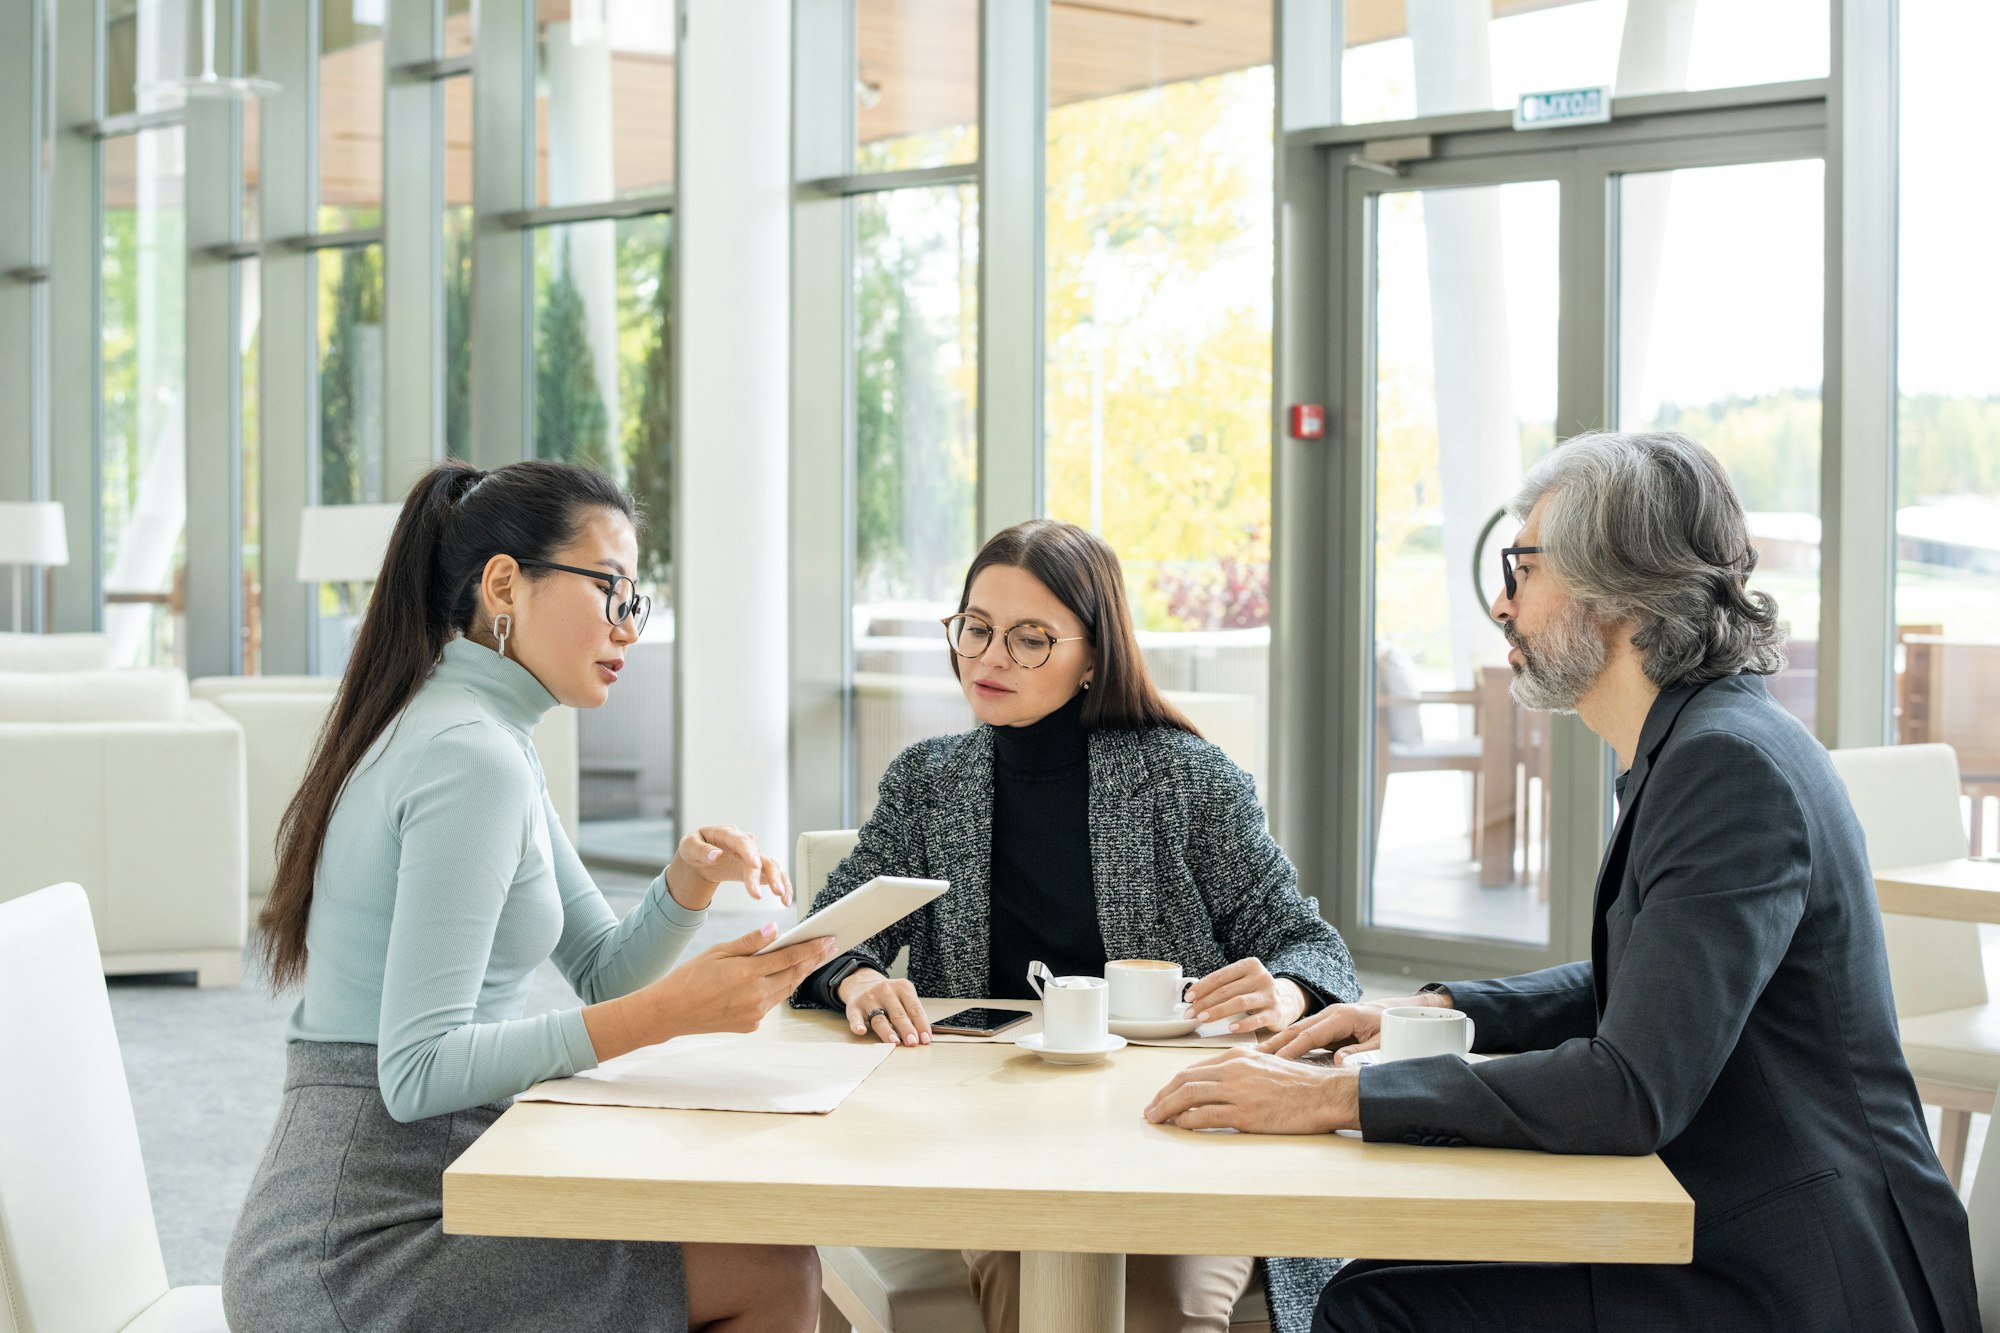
1465, 297
1497, 297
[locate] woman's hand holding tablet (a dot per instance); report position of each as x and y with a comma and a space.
864, 913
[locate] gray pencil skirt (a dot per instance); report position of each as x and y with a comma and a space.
343, 1230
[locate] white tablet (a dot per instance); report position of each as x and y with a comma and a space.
864, 913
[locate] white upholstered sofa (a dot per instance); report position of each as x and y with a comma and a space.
117, 780
281, 717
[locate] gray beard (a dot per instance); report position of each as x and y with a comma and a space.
1560, 664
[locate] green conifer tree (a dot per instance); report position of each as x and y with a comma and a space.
649, 444
570, 421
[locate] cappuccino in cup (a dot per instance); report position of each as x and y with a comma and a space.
1146, 988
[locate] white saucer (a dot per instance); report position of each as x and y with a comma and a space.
1374, 1057
1153, 1029
1088, 1055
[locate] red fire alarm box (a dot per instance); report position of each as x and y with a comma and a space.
1308, 421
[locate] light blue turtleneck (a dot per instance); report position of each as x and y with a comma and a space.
445, 881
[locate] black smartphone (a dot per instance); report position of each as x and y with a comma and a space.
978, 1022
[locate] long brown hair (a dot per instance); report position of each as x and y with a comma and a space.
1083, 572
455, 519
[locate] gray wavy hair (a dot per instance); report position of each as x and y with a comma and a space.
1645, 527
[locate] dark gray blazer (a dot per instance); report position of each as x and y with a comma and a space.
1184, 869
1735, 1017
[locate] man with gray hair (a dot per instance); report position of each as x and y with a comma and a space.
1734, 1015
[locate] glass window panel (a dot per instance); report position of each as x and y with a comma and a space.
148, 46
457, 265
1158, 302
253, 169
604, 355
916, 83
350, 114
1948, 410
916, 280
604, 100
352, 455
458, 27
1473, 62
143, 383
249, 325
1466, 300
1720, 279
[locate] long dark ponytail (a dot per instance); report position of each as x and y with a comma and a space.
455, 519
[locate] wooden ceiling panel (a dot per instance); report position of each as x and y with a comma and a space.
918, 59
1382, 20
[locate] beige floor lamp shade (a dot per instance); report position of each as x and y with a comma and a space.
31, 533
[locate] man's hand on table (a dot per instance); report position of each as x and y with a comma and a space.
1345, 1028
1259, 1093
1273, 1089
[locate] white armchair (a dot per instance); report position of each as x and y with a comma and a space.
115, 779
78, 1250
281, 717
1907, 799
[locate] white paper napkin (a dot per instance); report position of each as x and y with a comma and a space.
723, 1072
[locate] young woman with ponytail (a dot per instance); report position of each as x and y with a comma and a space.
422, 877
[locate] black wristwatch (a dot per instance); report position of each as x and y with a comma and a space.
1437, 988
841, 971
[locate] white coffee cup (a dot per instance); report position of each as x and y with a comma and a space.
1075, 1012
1411, 1031
1146, 988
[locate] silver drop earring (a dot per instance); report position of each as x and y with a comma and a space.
503, 625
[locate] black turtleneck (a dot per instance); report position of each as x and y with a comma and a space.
1044, 900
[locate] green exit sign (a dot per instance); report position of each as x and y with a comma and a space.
1570, 106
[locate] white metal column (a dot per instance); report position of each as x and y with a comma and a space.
23, 271
73, 281
734, 211
288, 348
214, 524
1858, 456
1013, 121
412, 250
503, 282
821, 500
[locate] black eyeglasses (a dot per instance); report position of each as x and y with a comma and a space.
1029, 644
1507, 555
622, 600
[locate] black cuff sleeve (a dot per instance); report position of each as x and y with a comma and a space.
822, 987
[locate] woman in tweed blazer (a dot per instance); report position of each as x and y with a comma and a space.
1167, 857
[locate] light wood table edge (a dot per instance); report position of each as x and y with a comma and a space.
1445, 1230
1917, 891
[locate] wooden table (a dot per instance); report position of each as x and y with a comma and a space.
986, 1147
1961, 890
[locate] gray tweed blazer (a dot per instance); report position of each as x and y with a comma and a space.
1184, 869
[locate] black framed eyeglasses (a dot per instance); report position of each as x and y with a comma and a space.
1029, 644
1507, 555
622, 598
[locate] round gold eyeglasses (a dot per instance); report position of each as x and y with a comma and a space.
1029, 644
